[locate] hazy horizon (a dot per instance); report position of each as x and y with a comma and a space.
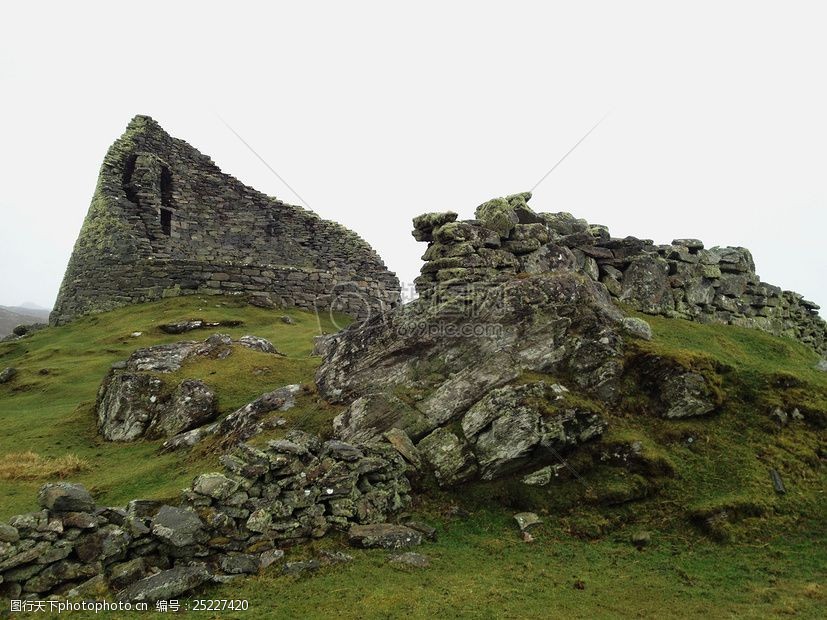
375, 114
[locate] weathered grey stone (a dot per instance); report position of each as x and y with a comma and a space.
297, 568
177, 526
646, 285
270, 557
637, 327
527, 520
539, 478
215, 485
8, 534
107, 544
192, 404
373, 414
65, 497
59, 573
383, 535
239, 563
400, 440
166, 585
822, 365
126, 405
409, 558
449, 457
259, 344
126, 573
174, 224
334, 557
687, 394
7, 374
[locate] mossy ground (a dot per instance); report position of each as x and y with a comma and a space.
48, 408
723, 543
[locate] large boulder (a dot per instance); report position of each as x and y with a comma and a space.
423, 366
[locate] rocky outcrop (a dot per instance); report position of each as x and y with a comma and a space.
228, 523
681, 279
165, 221
508, 295
135, 400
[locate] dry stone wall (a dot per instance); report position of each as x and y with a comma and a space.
166, 221
682, 279
227, 523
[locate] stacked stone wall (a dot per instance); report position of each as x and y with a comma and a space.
229, 523
681, 279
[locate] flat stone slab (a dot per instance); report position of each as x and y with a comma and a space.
383, 536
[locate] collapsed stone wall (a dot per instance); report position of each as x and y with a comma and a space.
164, 220
681, 279
228, 523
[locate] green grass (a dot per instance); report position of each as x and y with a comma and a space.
724, 544
48, 408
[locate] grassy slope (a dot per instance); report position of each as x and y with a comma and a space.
767, 559
51, 414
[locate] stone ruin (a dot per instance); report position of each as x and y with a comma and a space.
227, 523
679, 280
165, 221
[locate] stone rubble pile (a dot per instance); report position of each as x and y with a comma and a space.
227, 524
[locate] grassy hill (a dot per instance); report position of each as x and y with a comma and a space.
723, 543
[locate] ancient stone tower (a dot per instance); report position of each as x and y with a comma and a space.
166, 221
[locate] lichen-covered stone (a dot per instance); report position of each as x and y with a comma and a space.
65, 497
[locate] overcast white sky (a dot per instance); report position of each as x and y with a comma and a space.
376, 112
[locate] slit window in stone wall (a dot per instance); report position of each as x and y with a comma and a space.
166, 201
166, 221
166, 187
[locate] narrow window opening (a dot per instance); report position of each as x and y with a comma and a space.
166, 221
166, 187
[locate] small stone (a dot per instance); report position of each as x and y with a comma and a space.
822, 365
8, 534
527, 537
270, 557
427, 531
383, 535
780, 416
637, 327
527, 520
239, 563
297, 568
7, 374
415, 560
287, 320
259, 344
334, 557
400, 440
65, 497
136, 334
641, 539
539, 478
